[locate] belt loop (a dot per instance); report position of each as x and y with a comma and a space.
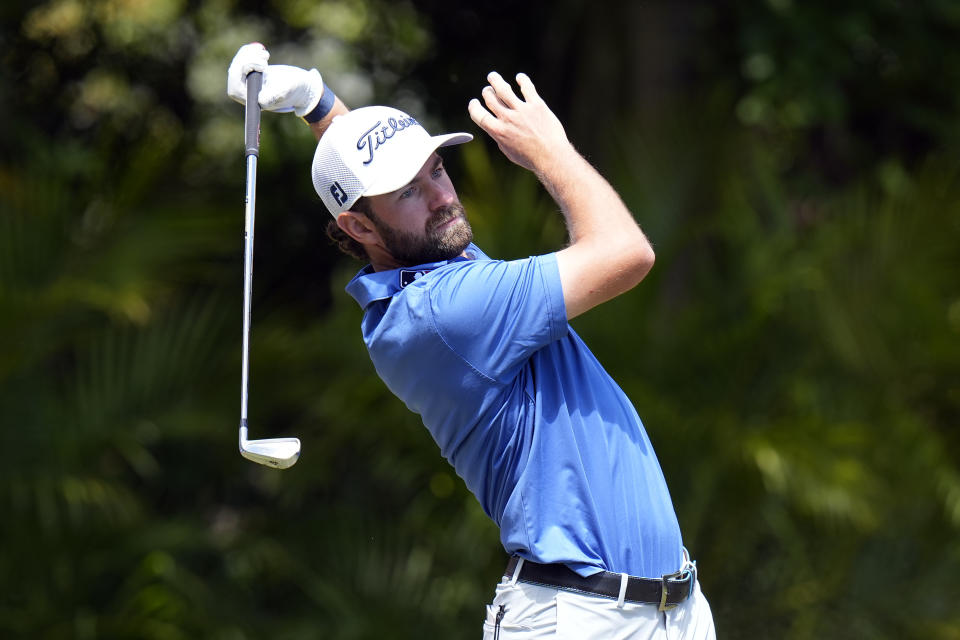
690, 566
623, 590
516, 572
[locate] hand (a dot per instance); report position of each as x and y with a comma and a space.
285, 88
527, 131
250, 57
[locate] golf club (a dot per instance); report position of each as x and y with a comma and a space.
279, 453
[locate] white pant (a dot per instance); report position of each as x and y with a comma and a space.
532, 612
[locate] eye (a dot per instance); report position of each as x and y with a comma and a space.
406, 193
438, 171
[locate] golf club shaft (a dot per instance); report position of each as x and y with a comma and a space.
252, 144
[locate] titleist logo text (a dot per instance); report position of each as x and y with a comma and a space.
380, 133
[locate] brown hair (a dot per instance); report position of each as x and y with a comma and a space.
343, 241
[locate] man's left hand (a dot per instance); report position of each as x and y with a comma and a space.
285, 88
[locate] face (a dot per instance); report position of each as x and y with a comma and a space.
423, 221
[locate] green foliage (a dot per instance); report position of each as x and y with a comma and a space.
849, 88
794, 353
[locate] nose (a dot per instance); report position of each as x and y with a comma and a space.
441, 195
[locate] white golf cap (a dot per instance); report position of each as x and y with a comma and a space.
371, 151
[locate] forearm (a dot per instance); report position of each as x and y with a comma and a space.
320, 127
608, 253
592, 209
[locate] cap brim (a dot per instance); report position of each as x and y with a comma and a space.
400, 176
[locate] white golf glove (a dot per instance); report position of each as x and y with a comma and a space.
285, 88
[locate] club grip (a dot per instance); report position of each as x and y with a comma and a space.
252, 114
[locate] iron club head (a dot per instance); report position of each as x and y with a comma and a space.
278, 453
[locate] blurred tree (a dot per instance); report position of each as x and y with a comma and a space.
861, 89
840, 92
794, 353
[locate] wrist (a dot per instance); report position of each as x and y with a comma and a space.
558, 161
323, 106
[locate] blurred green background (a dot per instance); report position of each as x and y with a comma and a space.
795, 354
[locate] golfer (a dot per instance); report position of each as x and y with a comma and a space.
482, 350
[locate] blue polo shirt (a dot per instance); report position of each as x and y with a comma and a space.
545, 439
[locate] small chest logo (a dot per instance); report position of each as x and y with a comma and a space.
409, 276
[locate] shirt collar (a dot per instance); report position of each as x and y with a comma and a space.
369, 286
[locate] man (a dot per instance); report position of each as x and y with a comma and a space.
481, 350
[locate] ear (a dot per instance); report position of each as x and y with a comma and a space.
358, 226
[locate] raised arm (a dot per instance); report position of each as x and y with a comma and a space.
285, 88
608, 253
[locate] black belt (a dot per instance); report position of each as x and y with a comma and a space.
666, 592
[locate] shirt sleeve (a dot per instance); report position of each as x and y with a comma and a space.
496, 314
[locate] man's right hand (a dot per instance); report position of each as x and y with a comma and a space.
285, 88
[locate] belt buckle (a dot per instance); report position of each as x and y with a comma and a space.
678, 576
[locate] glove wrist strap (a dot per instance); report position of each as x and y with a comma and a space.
319, 112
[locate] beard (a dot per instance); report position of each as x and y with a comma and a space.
435, 245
